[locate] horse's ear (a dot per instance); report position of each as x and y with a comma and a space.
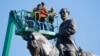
33, 38
80, 49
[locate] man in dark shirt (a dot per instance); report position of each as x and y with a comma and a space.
65, 42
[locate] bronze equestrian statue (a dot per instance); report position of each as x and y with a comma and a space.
38, 45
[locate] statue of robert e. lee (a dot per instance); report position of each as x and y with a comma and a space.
65, 41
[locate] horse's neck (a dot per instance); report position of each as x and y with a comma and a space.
44, 42
40, 37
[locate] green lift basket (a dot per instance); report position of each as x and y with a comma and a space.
20, 20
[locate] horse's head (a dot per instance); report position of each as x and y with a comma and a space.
42, 44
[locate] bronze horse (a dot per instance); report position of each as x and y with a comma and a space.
38, 45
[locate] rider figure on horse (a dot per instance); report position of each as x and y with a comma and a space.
65, 42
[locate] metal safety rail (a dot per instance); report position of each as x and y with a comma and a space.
25, 21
